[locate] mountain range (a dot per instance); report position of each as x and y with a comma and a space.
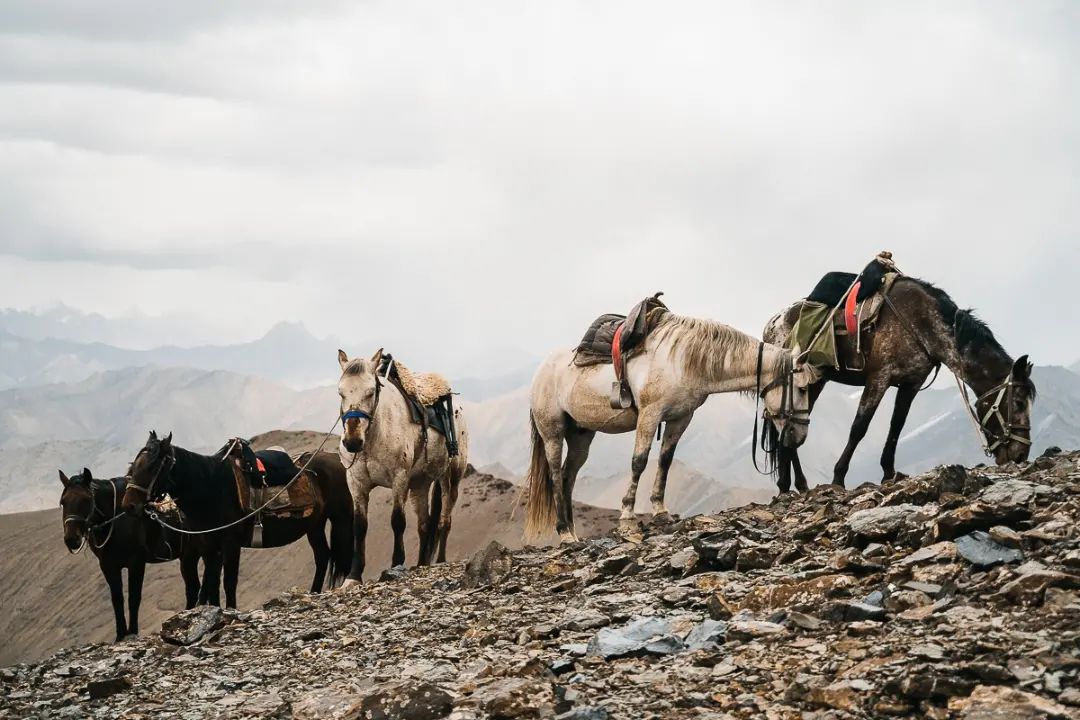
108, 398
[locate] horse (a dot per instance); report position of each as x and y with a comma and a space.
381, 446
919, 328
93, 516
205, 488
683, 361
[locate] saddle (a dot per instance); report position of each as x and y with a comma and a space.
261, 474
615, 339
429, 397
842, 304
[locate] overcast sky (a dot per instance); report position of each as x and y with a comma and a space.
463, 170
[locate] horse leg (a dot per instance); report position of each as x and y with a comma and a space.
796, 465
189, 570
320, 550
210, 591
578, 442
423, 517
553, 449
449, 500
360, 497
868, 405
115, 579
905, 394
397, 517
648, 419
231, 566
800, 476
136, 573
673, 432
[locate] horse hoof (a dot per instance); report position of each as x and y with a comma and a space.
567, 537
629, 525
663, 518
349, 582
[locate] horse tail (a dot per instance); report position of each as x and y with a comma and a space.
431, 532
341, 547
540, 517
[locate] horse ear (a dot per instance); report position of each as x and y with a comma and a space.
86, 474
153, 434
342, 359
1022, 368
64, 478
377, 356
167, 441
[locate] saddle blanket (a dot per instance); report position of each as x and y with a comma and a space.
858, 315
298, 500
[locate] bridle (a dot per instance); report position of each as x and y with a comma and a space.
89, 537
167, 461
355, 413
990, 439
787, 413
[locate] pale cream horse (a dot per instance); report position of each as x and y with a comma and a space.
381, 446
684, 361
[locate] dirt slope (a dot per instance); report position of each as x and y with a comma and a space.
52, 599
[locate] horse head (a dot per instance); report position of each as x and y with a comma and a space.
148, 476
77, 503
358, 388
1004, 414
787, 399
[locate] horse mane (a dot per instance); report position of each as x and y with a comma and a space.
970, 331
354, 367
707, 345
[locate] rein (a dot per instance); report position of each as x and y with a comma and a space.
156, 518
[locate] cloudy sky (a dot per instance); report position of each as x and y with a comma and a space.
462, 170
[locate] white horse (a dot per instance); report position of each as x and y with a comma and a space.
684, 360
382, 446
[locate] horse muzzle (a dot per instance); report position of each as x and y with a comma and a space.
353, 444
73, 541
793, 435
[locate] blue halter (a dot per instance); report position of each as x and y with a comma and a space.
354, 415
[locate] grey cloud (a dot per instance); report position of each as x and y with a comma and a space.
550, 161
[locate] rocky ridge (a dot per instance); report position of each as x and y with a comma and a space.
955, 593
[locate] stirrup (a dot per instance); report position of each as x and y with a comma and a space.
621, 397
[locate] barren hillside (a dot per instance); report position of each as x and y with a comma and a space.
953, 594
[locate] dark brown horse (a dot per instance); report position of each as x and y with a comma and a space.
93, 516
919, 329
206, 490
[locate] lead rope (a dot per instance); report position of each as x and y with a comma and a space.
154, 516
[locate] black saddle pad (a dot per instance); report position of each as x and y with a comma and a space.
832, 286
434, 420
277, 467
600, 335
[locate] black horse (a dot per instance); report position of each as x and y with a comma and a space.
919, 329
206, 489
93, 516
